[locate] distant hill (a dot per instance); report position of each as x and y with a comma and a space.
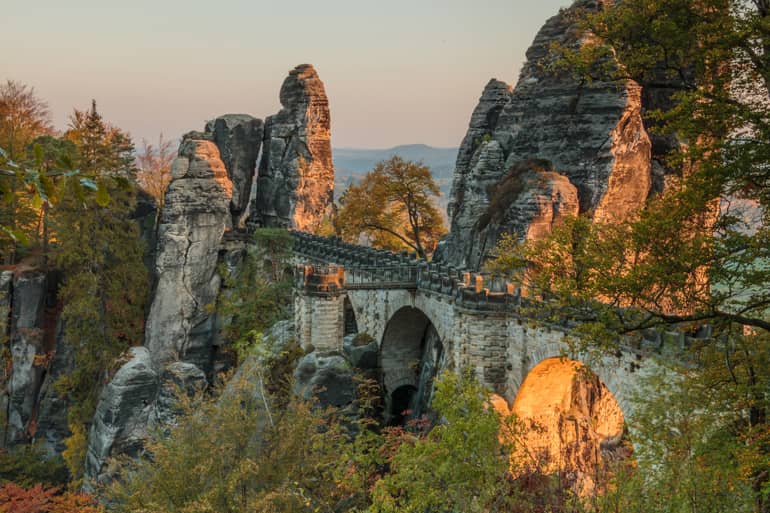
350, 164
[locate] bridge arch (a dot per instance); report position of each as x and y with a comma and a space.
411, 354
573, 424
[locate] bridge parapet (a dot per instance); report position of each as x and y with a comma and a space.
322, 279
367, 268
381, 269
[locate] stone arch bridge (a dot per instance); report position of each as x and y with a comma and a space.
426, 316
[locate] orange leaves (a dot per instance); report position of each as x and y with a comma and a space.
43, 499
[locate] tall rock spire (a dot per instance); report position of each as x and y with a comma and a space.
295, 182
584, 142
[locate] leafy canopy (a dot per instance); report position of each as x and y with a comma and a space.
697, 253
394, 207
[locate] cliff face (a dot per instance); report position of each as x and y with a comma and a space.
207, 199
591, 135
194, 218
238, 138
296, 176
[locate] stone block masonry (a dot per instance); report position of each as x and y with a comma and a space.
478, 318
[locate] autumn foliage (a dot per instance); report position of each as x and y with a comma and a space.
43, 499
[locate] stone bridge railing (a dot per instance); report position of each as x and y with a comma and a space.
359, 267
370, 268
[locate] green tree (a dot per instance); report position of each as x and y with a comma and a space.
23, 117
394, 207
99, 252
693, 450
54, 159
458, 465
689, 257
258, 292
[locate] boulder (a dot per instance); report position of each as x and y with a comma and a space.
122, 414
178, 378
137, 400
361, 350
325, 377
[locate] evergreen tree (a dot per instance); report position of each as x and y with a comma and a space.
99, 251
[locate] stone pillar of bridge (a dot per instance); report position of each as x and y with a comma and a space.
319, 307
485, 341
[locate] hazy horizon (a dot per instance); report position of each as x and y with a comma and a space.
396, 73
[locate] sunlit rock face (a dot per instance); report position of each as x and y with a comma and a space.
591, 134
572, 426
180, 324
529, 201
296, 177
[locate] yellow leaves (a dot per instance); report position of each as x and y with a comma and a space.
76, 446
102, 195
393, 207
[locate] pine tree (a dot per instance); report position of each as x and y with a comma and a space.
99, 251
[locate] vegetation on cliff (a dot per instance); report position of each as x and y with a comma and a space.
71, 199
694, 258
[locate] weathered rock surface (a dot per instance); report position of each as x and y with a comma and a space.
327, 377
296, 176
363, 353
528, 201
136, 400
52, 428
575, 425
180, 324
592, 134
483, 122
122, 415
239, 138
27, 349
178, 377
6, 280
146, 215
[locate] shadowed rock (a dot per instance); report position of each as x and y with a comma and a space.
122, 415
136, 400
238, 137
27, 347
327, 377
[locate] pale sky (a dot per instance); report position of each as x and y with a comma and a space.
396, 71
